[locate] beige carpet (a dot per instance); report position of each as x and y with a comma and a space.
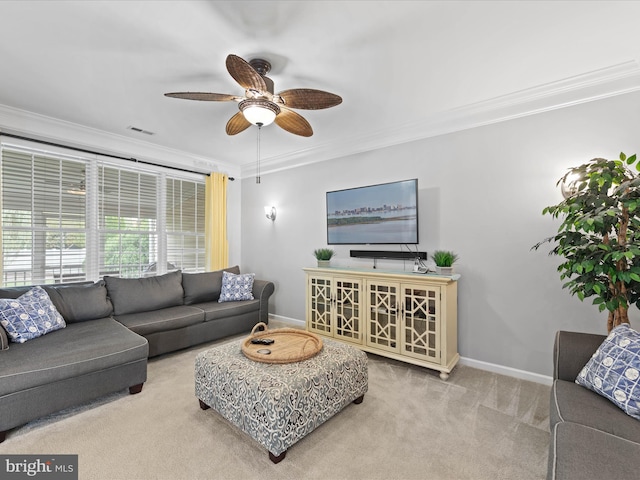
411, 425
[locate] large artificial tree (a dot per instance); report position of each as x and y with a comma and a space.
599, 237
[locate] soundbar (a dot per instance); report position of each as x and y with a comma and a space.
390, 255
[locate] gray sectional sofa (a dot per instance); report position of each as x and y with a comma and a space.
112, 327
590, 436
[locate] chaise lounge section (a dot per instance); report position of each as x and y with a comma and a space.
93, 355
112, 327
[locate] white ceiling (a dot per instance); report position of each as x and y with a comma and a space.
405, 69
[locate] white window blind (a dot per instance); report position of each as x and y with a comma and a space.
185, 225
127, 222
43, 218
67, 218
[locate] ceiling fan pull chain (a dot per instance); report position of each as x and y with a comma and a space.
258, 155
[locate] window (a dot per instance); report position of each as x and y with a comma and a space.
185, 225
43, 225
127, 222
68, 219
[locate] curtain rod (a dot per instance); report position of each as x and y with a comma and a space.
53, 144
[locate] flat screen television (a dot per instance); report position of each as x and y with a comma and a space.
386, 213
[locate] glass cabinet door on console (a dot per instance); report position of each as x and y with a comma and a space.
319, 304
420, 319
334, 307
383, 323
348, 293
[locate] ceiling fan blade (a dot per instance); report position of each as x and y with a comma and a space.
309, 99
207, 97
293, 123
245, 74
237, 124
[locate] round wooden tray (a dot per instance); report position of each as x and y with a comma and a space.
289, 345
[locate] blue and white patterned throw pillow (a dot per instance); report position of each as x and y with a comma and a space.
30, 315
236, 287
614, 370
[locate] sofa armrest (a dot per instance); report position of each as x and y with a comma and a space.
262, 290
4, 339
572, 351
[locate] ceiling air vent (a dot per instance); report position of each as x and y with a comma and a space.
139, 130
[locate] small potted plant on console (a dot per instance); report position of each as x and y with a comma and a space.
444, 261
323, 255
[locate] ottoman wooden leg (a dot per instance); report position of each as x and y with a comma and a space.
359, 400
203, 405
136, 388
277, 458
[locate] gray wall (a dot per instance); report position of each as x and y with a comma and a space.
481, 194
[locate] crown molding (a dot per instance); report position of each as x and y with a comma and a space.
599, 84
42, 127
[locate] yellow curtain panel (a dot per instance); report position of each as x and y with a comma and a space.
216, 245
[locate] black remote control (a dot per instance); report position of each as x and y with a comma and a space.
262, 341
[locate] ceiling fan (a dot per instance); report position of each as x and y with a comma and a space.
261, 106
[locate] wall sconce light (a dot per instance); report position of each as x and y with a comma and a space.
270, 213
568, 185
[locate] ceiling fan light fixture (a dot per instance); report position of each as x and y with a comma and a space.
258, 111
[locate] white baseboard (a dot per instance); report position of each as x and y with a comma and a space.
502, 370
470, 362
291, 322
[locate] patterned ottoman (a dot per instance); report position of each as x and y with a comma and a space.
278, 404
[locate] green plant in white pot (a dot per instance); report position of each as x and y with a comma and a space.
444, 261
323, 256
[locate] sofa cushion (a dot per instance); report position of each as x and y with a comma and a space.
571, 402
579, 452
217, 310
204, 287
131, 295
29, 316
236, 287
79, 349
81, 303
15, 292
614, 370
172, 318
